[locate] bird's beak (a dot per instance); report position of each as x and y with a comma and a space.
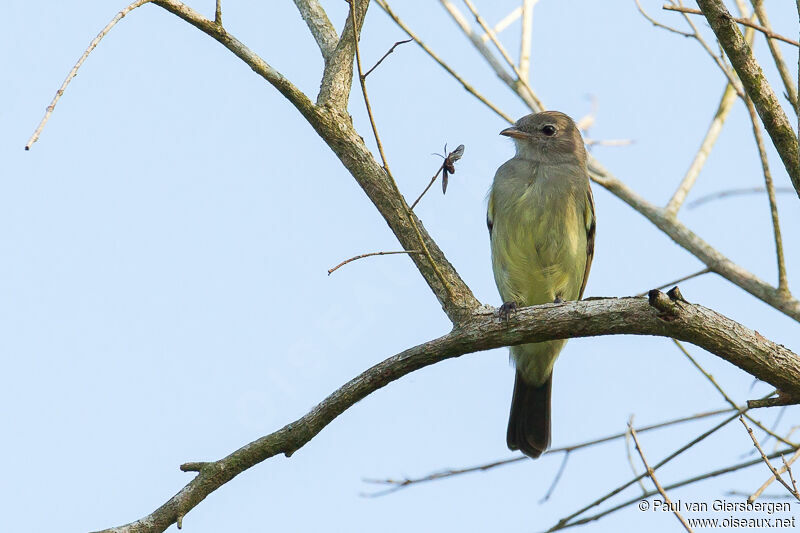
515, 133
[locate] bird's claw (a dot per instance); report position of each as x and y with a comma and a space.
506, 310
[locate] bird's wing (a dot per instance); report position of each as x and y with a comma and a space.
589, 220
490, 213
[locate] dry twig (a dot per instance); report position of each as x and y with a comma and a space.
742, 21
371, 254
653, 478
786, 464
74, 72
775, 473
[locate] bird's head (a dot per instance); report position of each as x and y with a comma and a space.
549, 137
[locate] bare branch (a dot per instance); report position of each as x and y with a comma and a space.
218, 13
783, 284
385, 6
659, 316
321, 28
777, 56
652, 476
735, 192
395, 45
756, 85
689, 481
451, 472
521, 80
658, 24
338, 75
525, 39
74, 72
714, 129
775, 473
682, 235
743, 21
727, 398
371, 254
782, 399
786, 464
679, 280
487, 54
506, 21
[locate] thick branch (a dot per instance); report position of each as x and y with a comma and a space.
338, 76
756, 85
660, 316
319, 25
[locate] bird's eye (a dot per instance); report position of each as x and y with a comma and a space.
549, 130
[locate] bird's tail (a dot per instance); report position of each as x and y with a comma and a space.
529, 421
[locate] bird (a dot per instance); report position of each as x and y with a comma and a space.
541, 224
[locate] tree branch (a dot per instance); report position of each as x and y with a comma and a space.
336, 129
687, 239
320, 26
74, 72
714, 129
338, 76
756, 85
653, 478
660, 316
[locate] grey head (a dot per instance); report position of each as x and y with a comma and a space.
549, 137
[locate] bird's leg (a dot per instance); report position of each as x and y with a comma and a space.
506, 310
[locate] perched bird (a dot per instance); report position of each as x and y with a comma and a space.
541, 225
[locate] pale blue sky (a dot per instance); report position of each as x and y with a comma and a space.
164, 293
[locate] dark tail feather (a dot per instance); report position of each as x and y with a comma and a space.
529, 421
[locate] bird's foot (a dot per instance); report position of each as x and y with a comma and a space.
506, 310
558, 300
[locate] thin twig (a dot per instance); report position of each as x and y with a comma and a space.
409, 214
430, 184
442, 474
505, 22
757, 494
742, 21
679, 280
727, 398
567, 520
504, 53
683, 483
469, 88
718, 59
556, 479
74, 72
735, 192
766, 460
218, 13
395, 45
783, 284
658, 24
781, 400
629, 455
480, 45
334, 269
653, 478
